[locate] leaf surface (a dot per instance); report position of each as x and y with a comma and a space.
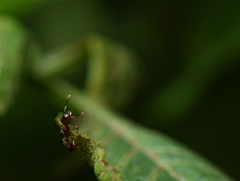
138, 153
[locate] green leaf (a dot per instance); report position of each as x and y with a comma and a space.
112, 71
138, 153
13, 44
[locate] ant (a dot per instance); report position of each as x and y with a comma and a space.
66, 119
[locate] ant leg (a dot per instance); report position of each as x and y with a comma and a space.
79, 114
75, 128
73, 138
74, 144
65, 140
73, 141
68, 97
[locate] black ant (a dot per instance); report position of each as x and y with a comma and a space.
66, 119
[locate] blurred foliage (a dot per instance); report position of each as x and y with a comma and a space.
189, 51
13, 48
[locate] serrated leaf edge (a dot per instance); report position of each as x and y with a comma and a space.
94, 154
102, 169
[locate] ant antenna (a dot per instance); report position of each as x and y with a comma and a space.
68, 97
81, 113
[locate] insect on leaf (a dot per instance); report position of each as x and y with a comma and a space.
94, 155
138, 153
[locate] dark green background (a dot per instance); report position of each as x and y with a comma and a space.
194, 102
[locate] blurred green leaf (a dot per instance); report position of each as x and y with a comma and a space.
138, 153
13, 45
112, 71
